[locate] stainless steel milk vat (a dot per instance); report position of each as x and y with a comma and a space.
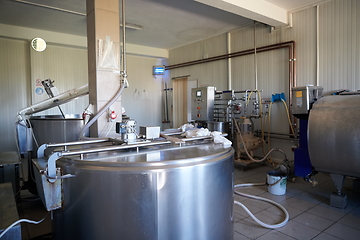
158, 192
334, 135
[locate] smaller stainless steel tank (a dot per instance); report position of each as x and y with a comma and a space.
334, 135
218, 126
56, 129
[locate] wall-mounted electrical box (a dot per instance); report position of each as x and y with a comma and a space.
303, 98
150, 132
202, 103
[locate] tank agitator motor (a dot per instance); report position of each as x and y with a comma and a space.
127, 130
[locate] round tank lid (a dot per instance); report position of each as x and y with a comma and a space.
156, 154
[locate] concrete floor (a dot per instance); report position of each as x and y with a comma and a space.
33, 209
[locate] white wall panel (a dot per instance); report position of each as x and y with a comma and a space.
304, 34
142, 100
67, 66
209, 74
20, 67
14, 79
339, 45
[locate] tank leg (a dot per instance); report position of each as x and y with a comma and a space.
337, 199
311, 179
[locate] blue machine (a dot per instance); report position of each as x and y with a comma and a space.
302, 164
302, 101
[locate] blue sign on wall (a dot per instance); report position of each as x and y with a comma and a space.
39, 91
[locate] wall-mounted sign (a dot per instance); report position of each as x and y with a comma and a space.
39, 91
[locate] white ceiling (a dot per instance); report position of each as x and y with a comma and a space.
166, 23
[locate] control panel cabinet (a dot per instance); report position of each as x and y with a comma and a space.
202, 103
303, 98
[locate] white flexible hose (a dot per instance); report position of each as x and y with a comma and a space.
19, 221
283, 223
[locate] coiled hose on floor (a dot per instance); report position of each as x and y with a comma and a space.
281, 224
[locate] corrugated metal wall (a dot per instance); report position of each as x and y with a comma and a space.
211, 74
67, 66
142, 100
339, 56
339, 44
14, 79
20, 67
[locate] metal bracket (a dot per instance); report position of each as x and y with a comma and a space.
52, 191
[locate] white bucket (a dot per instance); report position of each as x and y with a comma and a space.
276, 182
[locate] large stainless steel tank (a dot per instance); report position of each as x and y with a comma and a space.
157, 193
56, 128
334, 135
